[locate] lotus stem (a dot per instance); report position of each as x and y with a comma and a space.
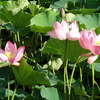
65, 70
93, 82
8, 84
14, 92
71, 81
80, 83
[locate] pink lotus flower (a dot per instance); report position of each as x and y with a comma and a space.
11, 53
65, 31
89, 40
73, 33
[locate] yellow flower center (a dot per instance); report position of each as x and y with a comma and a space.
9, 55
70, 29
97, 43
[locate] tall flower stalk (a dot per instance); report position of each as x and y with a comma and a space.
13, 56
64, 31
91, 41
11, 53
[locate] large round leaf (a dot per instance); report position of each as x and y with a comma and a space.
90, 21
49, 93
25, 75
54, 46
10, 5
17, 17
73, 49
83, 11
92, 4
61, 3
43, 22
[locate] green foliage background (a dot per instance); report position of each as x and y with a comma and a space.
40, 77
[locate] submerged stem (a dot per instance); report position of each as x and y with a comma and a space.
80, 83
93, 81
64, 80
65, 70
8, 84
36, 41
18, 38
14, 92
69, 92
65, 76
8, 90
74, 2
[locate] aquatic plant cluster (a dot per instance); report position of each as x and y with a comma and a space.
49, 49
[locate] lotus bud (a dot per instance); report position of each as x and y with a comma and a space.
62, 13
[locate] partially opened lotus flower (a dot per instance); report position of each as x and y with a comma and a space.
89, 40
73, 33
60, 30
11, 53
65, 31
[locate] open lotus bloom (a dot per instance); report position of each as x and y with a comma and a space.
11, 53
89, 40
65, 31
